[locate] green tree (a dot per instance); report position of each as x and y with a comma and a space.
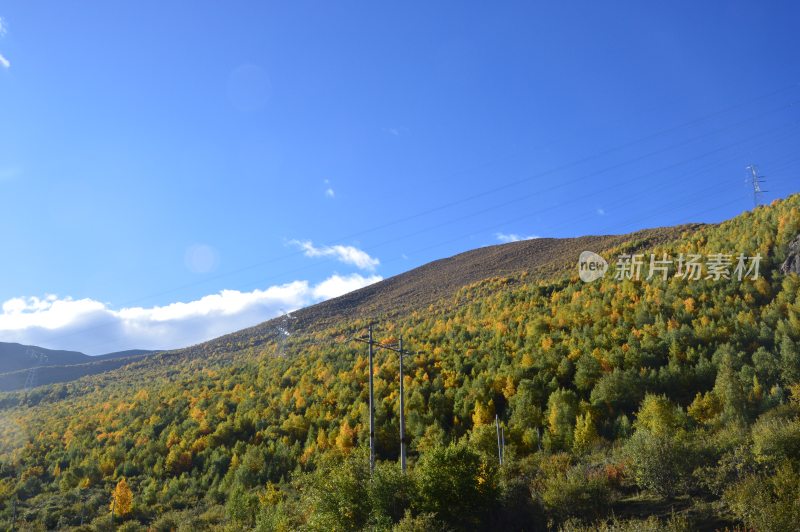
337, 493
562, 409
728, 388
457, 485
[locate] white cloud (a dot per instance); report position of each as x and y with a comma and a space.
513, 237
92, 327
2, 26
337, 285
346, 254
329, 192
600, 211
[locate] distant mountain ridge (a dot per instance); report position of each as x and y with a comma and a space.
53, 365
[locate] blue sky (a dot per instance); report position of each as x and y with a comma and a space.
172, 171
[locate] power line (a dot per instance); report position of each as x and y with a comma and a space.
672, 181
519, 198
492, 190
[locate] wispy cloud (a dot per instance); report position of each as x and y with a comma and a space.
513, 237
396, 131
600, 211
329, 192
346, 254
4, 63
93, 327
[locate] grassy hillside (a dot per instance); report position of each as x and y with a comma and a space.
665, 403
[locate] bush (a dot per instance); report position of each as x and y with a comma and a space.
662, 464
390, 492
676, 523
776, 439
578, 491
457, 485
131, 526
242, 506
420, 523
518, 510
276, 518
337, 494
767, 502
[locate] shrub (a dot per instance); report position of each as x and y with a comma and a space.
661, 463
675, 523
337, 494
420, 523
578, 491
767, 502
390, 492
457, 485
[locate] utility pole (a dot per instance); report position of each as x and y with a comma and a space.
499, 440
402, 411
399, 350
369, 340
756, 180
502, 445
371, 406
371, 343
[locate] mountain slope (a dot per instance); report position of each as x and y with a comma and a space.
541, 258
676, 399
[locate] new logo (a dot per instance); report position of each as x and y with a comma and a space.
591, 266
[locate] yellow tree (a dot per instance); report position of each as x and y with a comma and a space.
122, 499
483, 414
585, 435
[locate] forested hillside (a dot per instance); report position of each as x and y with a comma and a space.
649, 404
